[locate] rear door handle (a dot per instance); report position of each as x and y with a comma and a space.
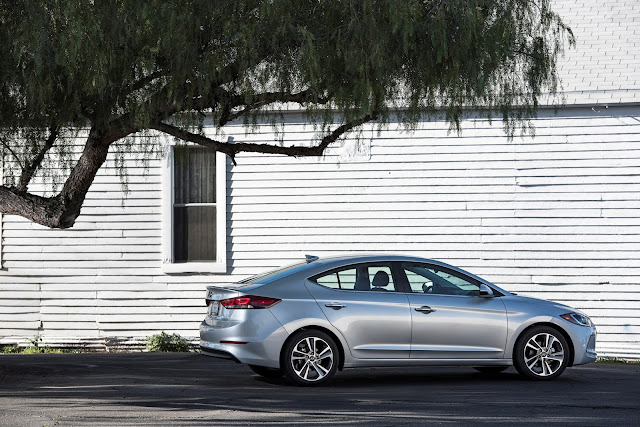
335, 306
425, 309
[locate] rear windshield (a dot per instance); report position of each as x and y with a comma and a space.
272, 275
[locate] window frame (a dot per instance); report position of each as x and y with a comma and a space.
1, 220
407, 285
168, 198
394, 267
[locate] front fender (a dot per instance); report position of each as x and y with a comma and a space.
517, 326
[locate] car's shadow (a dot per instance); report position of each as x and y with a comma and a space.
206, 391
389, 377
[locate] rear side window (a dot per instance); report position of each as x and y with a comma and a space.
364, 277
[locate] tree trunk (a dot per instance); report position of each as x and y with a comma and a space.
61, 211
82, 175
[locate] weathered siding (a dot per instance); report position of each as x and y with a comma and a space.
604, 66
556, 216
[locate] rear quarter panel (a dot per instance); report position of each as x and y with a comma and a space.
298, 309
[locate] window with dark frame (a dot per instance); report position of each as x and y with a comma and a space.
359, 278
194, 205
428, 279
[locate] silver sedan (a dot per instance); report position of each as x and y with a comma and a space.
309, 320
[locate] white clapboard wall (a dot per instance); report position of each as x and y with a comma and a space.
556, 216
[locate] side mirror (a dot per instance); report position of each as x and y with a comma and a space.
485, 291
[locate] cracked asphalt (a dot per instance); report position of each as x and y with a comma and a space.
190, 389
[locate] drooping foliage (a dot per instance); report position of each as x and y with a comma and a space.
121, 67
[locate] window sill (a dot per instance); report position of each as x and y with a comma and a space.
194, 267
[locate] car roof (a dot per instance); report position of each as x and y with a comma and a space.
359, 258
322, 264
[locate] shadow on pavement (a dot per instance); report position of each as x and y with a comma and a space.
192, 389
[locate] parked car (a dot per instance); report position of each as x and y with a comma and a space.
311, 319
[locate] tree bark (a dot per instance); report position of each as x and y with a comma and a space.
41, 210
82, 175
61, 211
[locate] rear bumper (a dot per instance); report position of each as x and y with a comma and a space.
217, 353
255, 343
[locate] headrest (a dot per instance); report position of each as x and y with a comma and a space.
380, 280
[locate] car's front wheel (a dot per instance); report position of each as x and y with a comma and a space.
310, 358
541, 353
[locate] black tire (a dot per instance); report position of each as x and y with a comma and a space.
490, 370
266, 372
304, 365
538, 351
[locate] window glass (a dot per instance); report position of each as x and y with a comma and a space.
272, 275
417, 282
381, 278
429, 279
359, 278
194, 175
194, 205
329, 281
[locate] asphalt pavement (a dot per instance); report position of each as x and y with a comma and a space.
191, 389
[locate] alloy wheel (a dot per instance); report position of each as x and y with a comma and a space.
312, 359
543, 354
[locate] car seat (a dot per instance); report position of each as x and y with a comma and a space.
380, 281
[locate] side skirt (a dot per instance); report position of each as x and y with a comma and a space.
359, 363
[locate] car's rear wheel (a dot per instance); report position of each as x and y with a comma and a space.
310, 358
266, 372
489, 370
541, 353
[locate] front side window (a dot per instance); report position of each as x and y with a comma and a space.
430, 279
363, 277
195, 211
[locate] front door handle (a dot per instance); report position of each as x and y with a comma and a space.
335, 306
425, 309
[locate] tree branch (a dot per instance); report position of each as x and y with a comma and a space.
42, 210
269, 98
232, 149
13, 153
29, 171
61, 211
140, 84
88, 105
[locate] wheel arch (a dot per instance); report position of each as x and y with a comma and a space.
564, 333
341, 352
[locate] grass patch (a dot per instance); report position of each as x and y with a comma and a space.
30, 350
35, 347
40, 350
617, 360
9, 349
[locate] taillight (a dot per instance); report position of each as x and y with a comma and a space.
208, 302
249, 301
